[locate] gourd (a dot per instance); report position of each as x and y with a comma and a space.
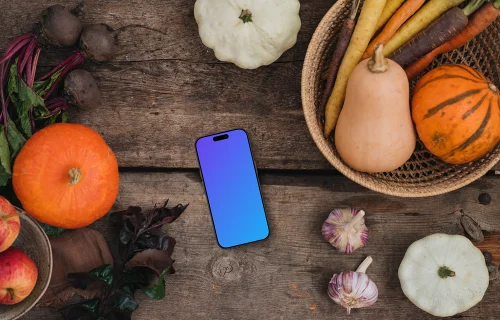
456, 111
444, 274
66, 176
375, 132
249, 33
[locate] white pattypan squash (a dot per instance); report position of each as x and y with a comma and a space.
444, 274
249, 33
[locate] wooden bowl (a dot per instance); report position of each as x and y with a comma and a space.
35, 243
423, 174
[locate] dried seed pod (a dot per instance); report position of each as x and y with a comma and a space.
488, 258
345, 229
472, 228
484, 199
494, 272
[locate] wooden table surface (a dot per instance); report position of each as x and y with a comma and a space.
164, 90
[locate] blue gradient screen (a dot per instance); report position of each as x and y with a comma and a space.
232, 188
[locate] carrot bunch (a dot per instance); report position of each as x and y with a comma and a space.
483, 18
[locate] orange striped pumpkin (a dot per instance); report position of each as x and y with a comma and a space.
456, 111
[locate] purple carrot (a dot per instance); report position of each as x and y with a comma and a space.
338, 54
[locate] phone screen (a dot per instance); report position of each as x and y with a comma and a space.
232, 187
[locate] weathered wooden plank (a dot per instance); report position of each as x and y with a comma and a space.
285, 276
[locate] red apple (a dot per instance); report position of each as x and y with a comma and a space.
9, 224
18, 276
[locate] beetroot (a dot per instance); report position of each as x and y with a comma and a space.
98, 42
82, 89
60, 27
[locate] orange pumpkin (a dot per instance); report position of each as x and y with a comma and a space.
66, 176
457, 113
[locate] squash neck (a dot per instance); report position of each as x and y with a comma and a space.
75, 174
246, 16
445, 272
377, 63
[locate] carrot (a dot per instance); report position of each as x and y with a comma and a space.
477, 23
390, 8
424, 17
400, 17
370, 13
338, 54
437, 33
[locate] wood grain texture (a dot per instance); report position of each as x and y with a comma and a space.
285, 276
165, 89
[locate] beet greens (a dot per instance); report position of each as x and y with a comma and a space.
146, 257
58, 26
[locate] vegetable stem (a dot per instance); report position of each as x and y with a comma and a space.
493, 87
75, 174
246, 16
365, 264
445, 272
355, 220
496, 4
378, 63
472, 7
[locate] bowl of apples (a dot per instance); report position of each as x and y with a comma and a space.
25, 261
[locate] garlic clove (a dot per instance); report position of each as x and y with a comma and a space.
353, 289
345, 229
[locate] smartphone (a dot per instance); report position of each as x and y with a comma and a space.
230, 178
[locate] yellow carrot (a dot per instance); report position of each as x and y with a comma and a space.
370, 13
390, 8
419, 21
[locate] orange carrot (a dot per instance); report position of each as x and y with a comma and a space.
477, 23
397, 20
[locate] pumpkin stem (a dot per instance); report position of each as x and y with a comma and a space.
246, 16
493, 88
75, 174
365, 264
378, 64
445, 272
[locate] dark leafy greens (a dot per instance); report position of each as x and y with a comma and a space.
28, 113
146, 258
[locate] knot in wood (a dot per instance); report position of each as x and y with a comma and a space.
226, 268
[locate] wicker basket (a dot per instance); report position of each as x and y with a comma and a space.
424, 174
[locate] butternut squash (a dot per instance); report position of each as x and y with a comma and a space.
375, 131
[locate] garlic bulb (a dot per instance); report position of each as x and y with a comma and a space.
353, 289
345, 229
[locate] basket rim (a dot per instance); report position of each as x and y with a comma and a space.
27, 219
321, 142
